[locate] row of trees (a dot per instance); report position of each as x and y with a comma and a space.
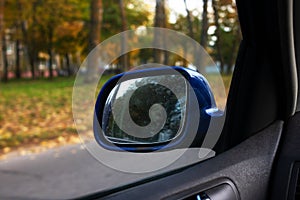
218, 30
44, 29
37, 26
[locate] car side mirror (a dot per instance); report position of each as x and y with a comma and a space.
154, 109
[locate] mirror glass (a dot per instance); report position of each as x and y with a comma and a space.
145, 110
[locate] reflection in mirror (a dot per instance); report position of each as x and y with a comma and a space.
145, 110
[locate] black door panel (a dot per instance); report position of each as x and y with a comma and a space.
247, 165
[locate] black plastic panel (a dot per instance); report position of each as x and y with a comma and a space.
247, 165
297, 43
220, 189
289, 153
294, 184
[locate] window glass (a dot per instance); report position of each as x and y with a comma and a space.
47, 150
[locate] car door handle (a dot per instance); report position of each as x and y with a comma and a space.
221, 192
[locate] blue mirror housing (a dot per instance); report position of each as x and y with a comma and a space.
154, 109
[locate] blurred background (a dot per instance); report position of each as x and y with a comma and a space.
44, 42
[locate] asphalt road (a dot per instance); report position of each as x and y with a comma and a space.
66, 173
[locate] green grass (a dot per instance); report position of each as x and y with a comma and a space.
34, 111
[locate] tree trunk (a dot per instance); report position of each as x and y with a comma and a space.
189, 20
67, 56
159, 21
77, 61
5, 62
95, 23
199, 61
18, 67
17, 43
191, 32
96, 17
124, 59
50, 52
235, 46
32, 66
203, 36
217, 33
1, 33
30, 45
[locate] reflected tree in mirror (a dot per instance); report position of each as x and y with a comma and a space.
156, 100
